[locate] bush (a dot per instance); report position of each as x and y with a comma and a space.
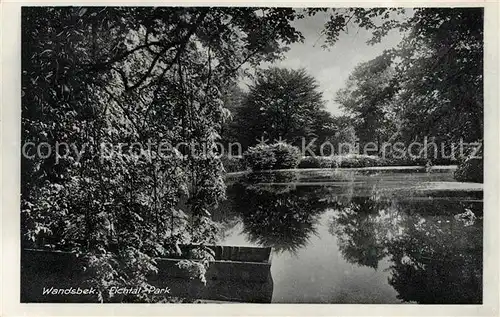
318, 162
408, 161
343, 161
358, 160
233, 164
260, 157
287, 156
471, 168
274, 156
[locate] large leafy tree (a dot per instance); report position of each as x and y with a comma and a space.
441, 75
233, 101
368, 99
282, 103
438, 68
94, 76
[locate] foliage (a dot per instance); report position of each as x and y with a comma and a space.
282, 104
358, 160
195, 269
119, 75
260, 157
281, 217
233, 98
427, 253
287, 156
367, 98
441, 75
430, 85
318, 162
124, 75
379, 20
275, 156
471, 169
345, 139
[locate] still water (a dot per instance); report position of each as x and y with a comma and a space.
361, 236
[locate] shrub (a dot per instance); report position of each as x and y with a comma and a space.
408, 161
358, 160
274, 156
471, 168
344, 161
260, 157
318, 162
287, 156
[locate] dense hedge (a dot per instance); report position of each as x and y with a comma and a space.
407, 161
286, 156
274, 156
358, 160
343, 161
319, 162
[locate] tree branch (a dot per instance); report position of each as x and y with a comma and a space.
182, 47
120, 57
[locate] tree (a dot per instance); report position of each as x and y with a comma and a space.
441, 75
368, 99
345, 139
438, 67
94, 76
233, 101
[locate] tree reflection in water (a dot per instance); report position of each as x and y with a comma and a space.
356, 227
280, 216
434, 258
437, 260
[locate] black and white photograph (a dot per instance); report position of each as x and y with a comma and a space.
236, 154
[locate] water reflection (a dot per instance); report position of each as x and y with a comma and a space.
279, 216
429, 248
358, 232
434, 258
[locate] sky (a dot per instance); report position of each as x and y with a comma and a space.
331, 68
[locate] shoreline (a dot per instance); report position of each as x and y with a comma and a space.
371, 168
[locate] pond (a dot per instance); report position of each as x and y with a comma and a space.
393, 236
